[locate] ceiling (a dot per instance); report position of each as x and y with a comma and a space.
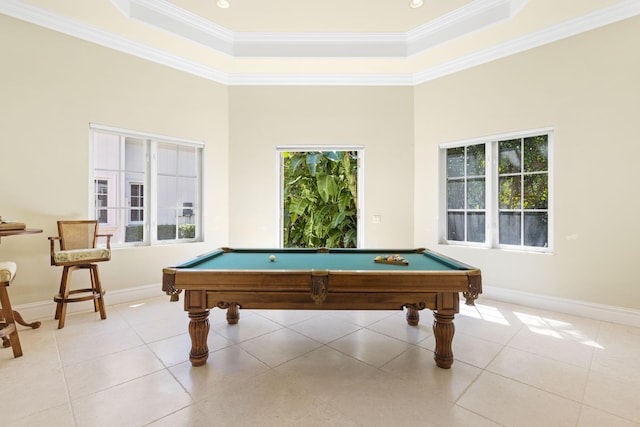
321, 42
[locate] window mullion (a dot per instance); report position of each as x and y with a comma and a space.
465, 195
198, 197
491, 191
121, 212
522, 192
151, 221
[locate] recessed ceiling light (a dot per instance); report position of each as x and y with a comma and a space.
223, 4
416, 3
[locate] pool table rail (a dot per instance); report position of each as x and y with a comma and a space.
323, 282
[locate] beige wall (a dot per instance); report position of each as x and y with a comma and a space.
53, 86
588, 89
585, 87
379, 118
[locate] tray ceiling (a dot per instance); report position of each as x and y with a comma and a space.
355, 42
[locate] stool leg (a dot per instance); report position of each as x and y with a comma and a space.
93, 273
9, 319
98, 303
61, 309
63, 283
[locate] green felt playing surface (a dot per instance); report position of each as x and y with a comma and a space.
304, 259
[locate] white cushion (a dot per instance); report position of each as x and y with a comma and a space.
7, 271
79, 255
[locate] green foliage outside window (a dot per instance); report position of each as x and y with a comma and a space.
186, 231
523, 196
320, 199
134, 233
524, 159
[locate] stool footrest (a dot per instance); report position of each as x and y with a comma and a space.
91, 295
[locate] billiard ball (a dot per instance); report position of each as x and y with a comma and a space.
272, 258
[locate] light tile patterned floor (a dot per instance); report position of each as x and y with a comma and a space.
515, 366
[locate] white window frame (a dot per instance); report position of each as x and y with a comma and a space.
491, 190
305, 148
149, 184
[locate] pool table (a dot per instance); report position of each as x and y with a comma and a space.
316, 279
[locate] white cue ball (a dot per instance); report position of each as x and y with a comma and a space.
272, 258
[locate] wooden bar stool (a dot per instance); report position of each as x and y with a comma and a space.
79, 250
8, 329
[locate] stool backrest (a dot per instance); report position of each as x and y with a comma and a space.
78, 234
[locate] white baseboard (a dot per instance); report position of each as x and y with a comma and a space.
46, 309
607, 313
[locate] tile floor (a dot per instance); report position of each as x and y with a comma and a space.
515, 366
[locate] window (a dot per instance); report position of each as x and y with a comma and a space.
523, 191
142, 184
466, 185
101, 198
497, 191
137, 201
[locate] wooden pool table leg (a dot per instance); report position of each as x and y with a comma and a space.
443, 330
233, 314
198, 331
413, 316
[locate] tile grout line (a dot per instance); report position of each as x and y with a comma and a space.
64, 377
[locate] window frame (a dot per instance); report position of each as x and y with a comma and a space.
492, 207
149, 184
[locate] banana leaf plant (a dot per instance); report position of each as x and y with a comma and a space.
320, 199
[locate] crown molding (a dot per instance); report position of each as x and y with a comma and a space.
572, 27
175, 20
320, 45
609, 15
463, 21
355, 79
42, 18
